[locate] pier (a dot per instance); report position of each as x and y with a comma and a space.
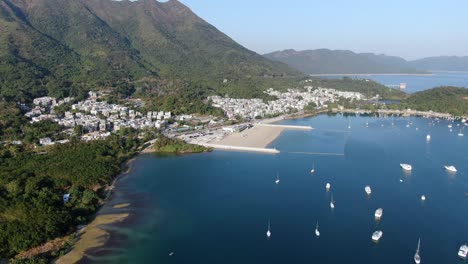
286, 126
239, 148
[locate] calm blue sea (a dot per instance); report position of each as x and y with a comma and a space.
214, 208
417, 83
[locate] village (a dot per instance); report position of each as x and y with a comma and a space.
98, 119
291, 101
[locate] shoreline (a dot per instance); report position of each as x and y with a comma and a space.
94, 235
373, 74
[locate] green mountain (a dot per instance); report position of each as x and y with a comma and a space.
324, 61
64, 47
453, 100
442, 63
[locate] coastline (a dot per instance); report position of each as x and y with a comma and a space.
372, 74
94, 235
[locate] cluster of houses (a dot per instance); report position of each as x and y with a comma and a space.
286, 102
43, 108
97, 118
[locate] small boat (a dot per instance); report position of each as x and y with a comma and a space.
463, 252
466, 194
349, 124
313, 168
406, 167
450, 168
423, 198
450, 126
171, 254
428, 137
368, 190
378, 213
377, 235
277, 181
328, 186
317, 232
460, 134
401, 180
268, 233
332, 202
417, 258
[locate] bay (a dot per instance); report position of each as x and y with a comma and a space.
215, 207
416, 83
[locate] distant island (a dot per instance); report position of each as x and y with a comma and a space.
325, 61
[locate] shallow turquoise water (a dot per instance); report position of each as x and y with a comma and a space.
214, 208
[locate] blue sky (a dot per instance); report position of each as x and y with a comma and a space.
408, 28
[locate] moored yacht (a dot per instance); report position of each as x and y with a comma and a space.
368, 190
423, 198
327, 186
317, 232
460, 134
417, 258
377, 235
428, 137
332, 202
463, 252
378, 213
268, 233
406, 167
450, 168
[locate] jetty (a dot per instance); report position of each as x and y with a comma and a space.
240, 148
286, 126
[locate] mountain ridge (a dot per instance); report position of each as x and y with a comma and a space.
62, 47
326, 61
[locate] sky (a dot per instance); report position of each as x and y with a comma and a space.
411, 29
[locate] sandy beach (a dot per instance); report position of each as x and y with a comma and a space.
255, 137
92, 237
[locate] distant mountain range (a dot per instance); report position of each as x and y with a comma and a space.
60, 46
325, 61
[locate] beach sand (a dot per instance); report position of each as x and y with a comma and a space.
93, 236
255, 137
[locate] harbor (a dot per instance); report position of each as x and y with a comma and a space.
239, 196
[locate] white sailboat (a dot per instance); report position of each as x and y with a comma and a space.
417, 258
317, 232
332, 202
428, 137
406, 167
450, 168
378, 214
368, 190
460, 134
377, 235
327, 186
268, 233
277, 181
463, 252
423, 198
313, 168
